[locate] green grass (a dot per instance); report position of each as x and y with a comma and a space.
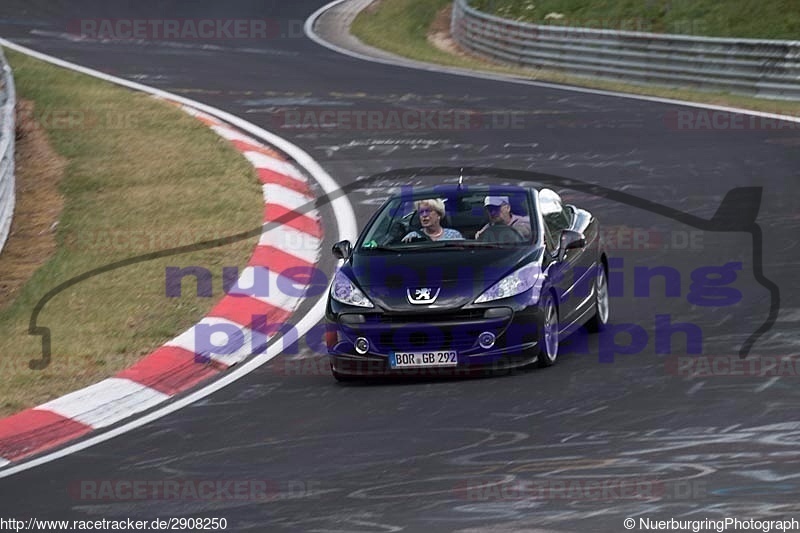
141, 176
757, 19
402, 27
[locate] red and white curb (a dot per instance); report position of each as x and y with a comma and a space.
180, 365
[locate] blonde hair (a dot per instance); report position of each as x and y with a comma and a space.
436, 203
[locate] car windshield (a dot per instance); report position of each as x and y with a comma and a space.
460, 220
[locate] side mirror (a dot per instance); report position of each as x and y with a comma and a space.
570, 240
342, 249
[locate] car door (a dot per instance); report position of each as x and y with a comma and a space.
583, 260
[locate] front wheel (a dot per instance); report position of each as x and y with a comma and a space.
548, 332
602, 308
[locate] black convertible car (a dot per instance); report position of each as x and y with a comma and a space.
454, 278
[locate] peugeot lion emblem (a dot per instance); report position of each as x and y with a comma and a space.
422, 295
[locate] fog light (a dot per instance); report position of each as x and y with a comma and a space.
486, 340
362, 345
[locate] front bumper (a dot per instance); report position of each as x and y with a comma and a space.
514, 330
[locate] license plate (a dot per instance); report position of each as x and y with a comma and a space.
422, 359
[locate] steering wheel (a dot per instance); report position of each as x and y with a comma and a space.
396, 232
421, 236
500, 233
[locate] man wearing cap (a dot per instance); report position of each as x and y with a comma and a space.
499, 211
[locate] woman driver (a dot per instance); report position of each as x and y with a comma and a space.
431, 213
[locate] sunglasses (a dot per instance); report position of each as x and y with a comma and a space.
426, 211
493, 208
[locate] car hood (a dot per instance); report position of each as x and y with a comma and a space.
455, 277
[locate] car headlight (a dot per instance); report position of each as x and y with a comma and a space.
515, 283
343, 290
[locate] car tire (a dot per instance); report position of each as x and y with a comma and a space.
547, 332
602, 308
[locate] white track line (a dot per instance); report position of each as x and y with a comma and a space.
293, 241
232, 135
272, 288
90, 405
430, 67
345, 224
260, 160
288, 198
218, 338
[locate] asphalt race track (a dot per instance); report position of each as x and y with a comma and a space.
524, 451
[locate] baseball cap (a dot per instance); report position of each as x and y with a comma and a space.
495, 200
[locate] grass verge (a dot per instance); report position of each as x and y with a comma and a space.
137, 175
411, 27
754, 19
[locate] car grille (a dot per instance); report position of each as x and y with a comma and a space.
420, 331
404, 318
444, 339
